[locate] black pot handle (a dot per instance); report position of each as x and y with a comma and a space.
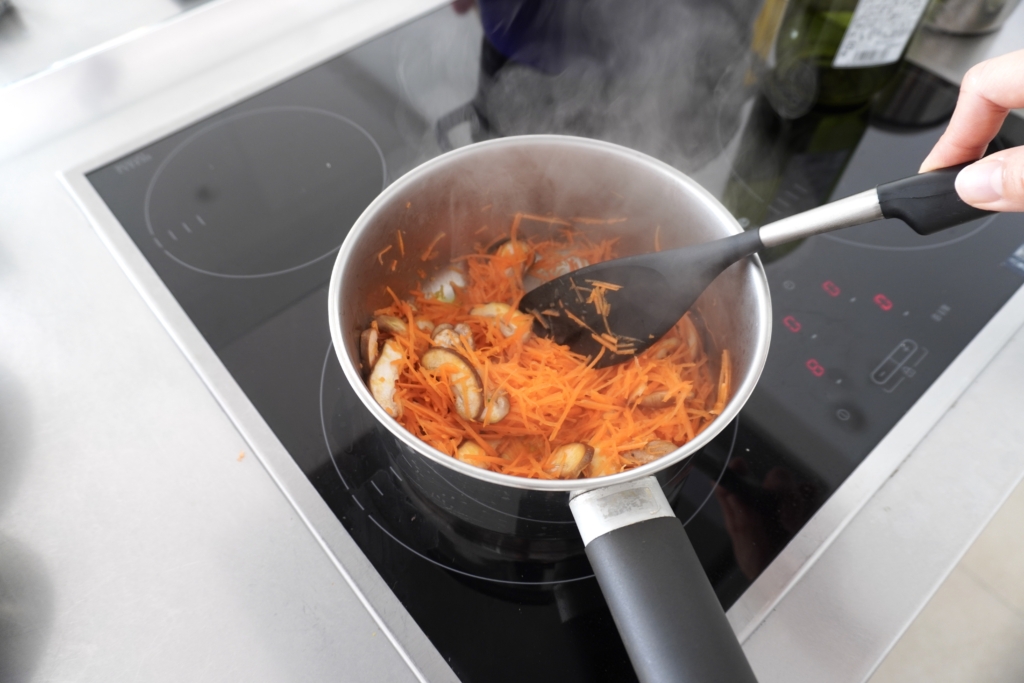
927, 202
664, 607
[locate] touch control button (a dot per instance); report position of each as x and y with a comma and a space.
892, 364
848, 417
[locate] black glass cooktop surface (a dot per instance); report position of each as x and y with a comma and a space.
242, 213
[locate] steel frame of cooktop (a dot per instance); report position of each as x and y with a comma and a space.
746, 615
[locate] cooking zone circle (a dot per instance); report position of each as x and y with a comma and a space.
379, 493
264, 192
892, 235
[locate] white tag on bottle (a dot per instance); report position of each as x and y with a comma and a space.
878, 32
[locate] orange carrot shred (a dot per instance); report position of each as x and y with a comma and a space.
428, 253
545, 219
599, 338
605, 285
575, 319
380, 254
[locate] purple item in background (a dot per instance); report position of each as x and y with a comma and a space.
544, 34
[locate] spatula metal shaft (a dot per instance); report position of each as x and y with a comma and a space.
854, 210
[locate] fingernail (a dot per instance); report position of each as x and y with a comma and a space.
981, 182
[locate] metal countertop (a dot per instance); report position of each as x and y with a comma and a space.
140, 536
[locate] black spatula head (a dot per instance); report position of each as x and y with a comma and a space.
618, 308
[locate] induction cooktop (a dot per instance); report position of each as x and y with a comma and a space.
241, 214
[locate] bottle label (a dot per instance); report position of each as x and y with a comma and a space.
878, 32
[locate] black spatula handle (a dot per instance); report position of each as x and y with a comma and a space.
927, 202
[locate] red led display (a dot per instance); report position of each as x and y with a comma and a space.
883, 302
831, 287
791, 323
815, 367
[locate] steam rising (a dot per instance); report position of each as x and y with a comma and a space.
660, 76
665, 77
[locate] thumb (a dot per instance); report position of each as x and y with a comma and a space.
995, 183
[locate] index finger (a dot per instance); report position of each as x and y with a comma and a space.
988, 92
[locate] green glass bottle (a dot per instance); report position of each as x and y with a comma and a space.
835, 54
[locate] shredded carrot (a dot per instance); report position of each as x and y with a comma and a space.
428, 253
514, 230
605, 285
394, 265
545, 219
575, 319
380, 254
577, 290
603, 341
401, 243
600, 303
555, 397
724, 382
540, 319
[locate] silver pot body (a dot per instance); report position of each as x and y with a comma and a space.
471, 195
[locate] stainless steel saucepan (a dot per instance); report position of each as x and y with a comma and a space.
663, 605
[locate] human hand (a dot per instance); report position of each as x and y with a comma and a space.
988, 92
